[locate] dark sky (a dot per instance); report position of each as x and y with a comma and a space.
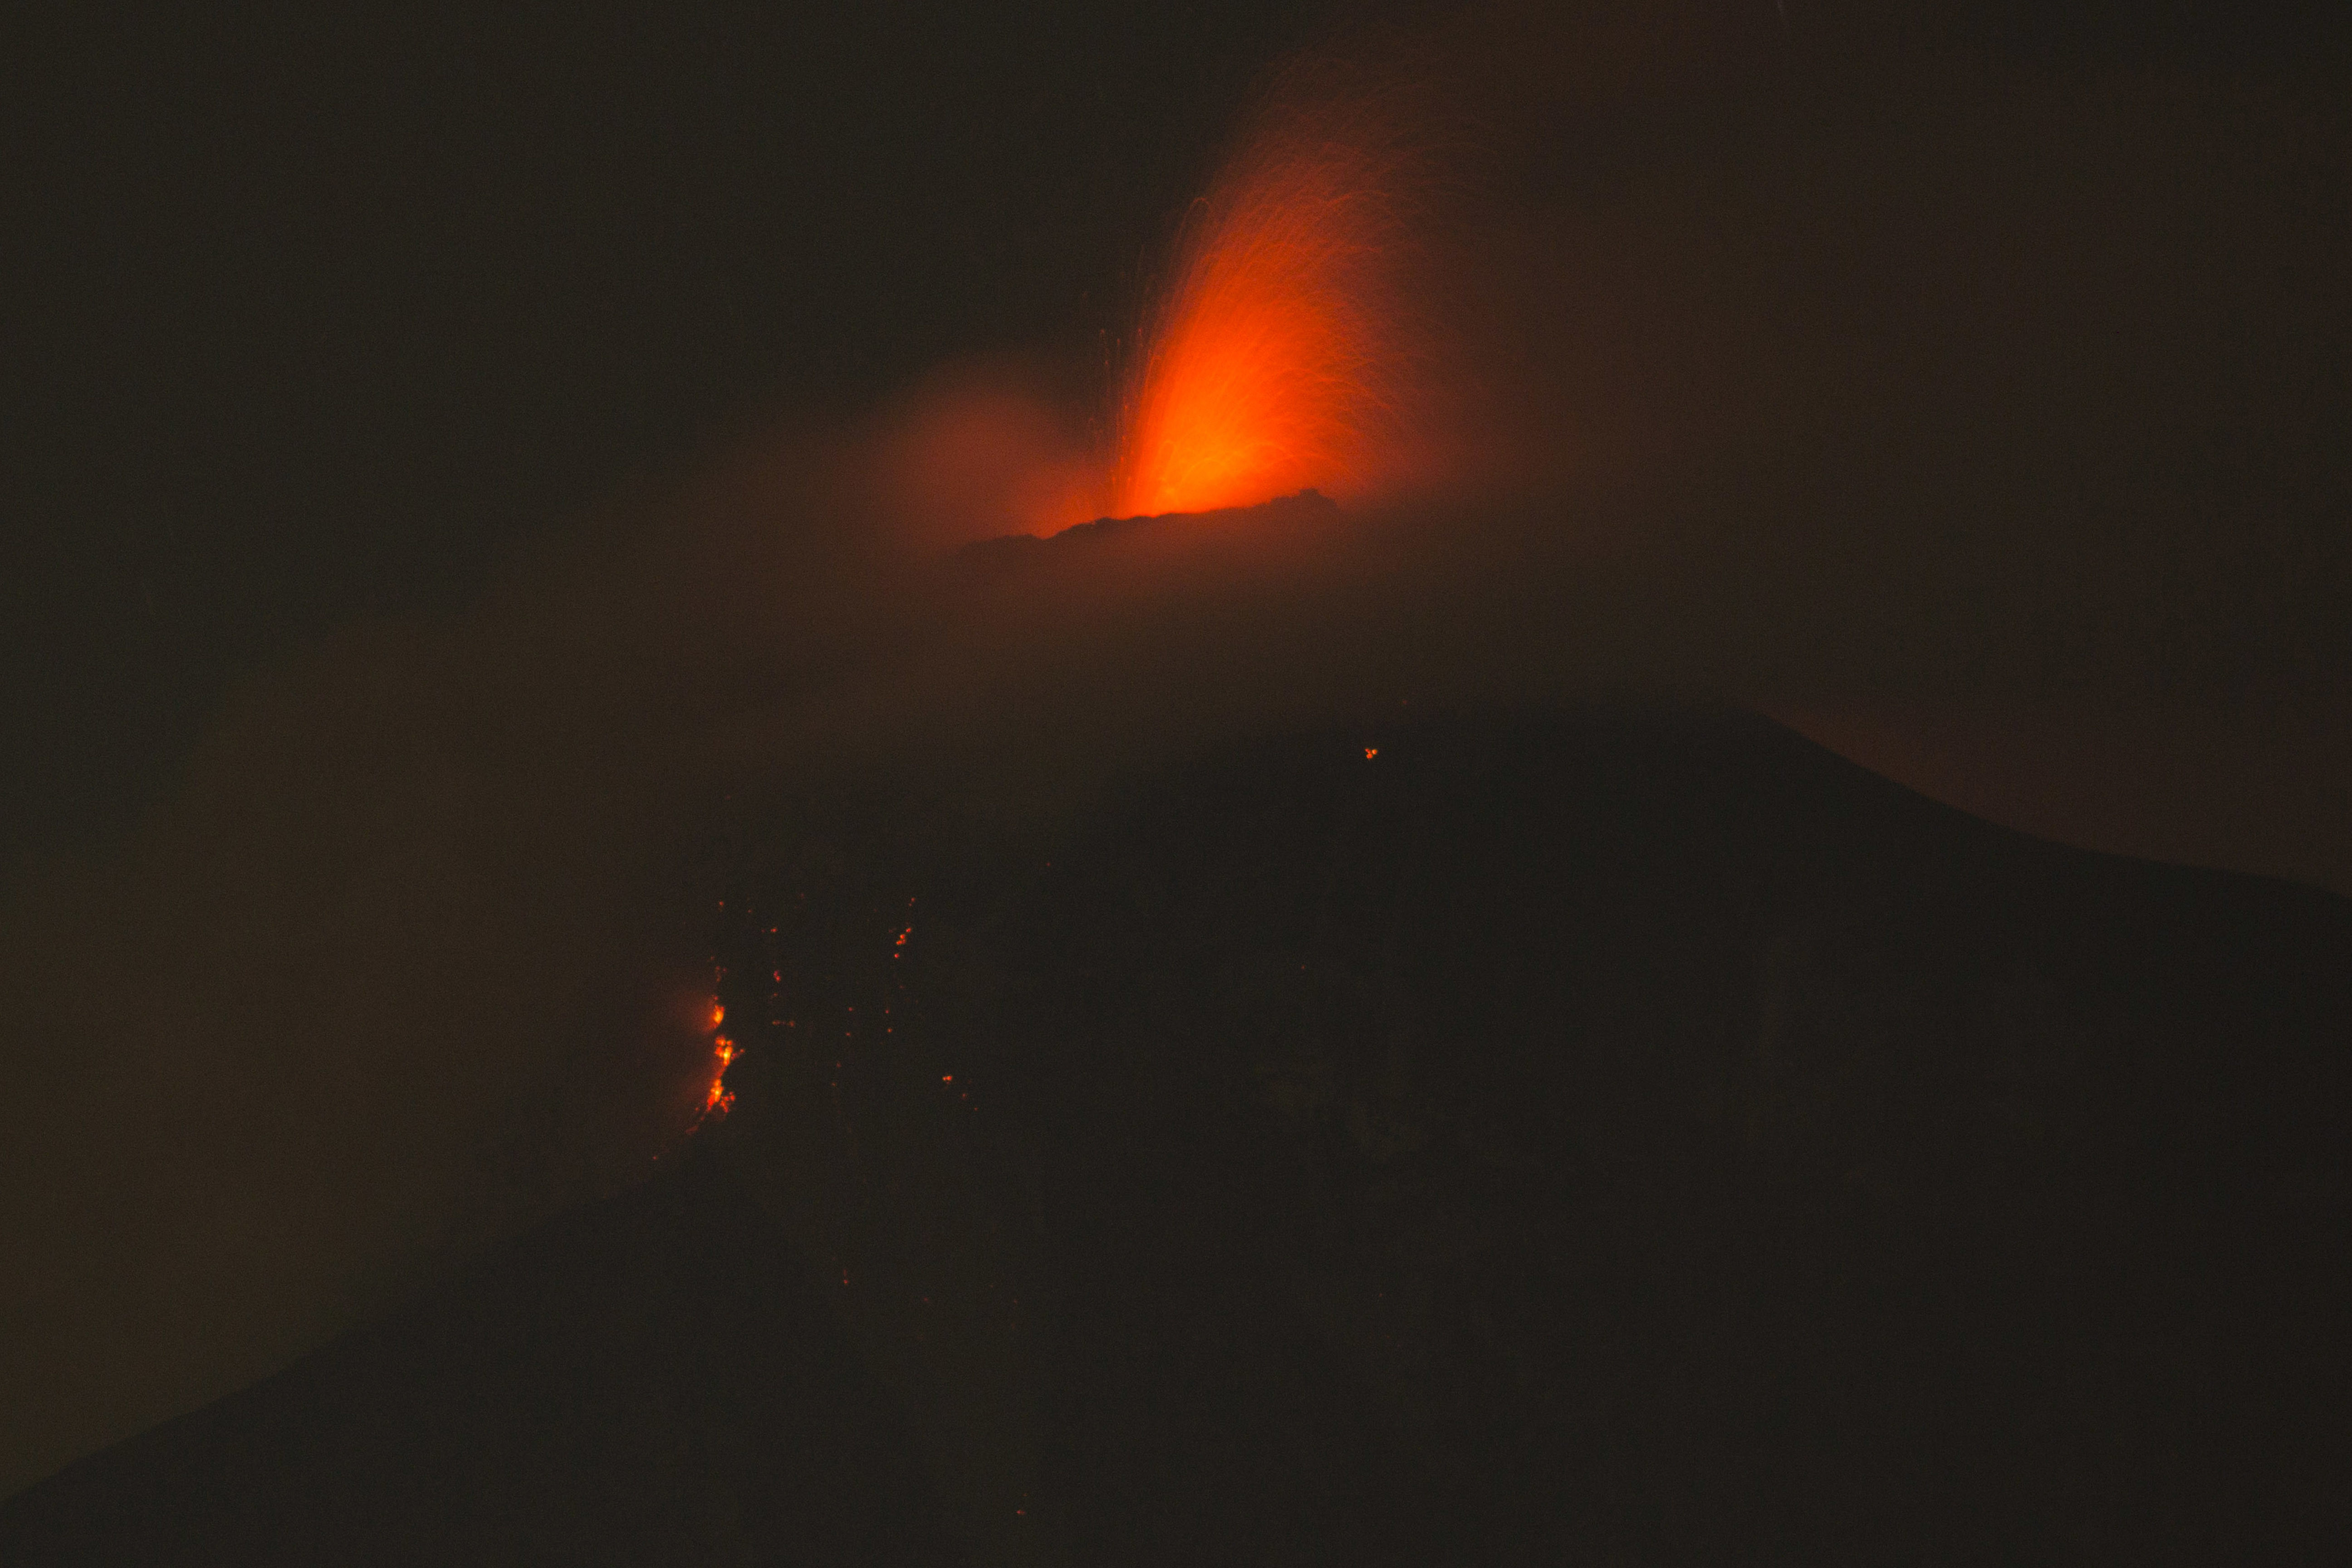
313, 320
308, 316
311, 312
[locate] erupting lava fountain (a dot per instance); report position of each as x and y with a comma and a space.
1277, 359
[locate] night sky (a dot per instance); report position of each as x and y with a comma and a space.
1966, 389
312, 317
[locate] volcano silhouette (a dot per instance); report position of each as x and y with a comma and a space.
1627, 1136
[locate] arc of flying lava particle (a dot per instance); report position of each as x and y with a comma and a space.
1277, 358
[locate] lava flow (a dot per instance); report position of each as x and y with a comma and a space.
1276, 361
720, 1100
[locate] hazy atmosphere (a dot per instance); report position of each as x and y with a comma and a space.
453, 465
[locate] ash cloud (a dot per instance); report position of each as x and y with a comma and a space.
1923, 400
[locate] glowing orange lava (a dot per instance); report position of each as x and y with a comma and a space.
719, 1100
1276, 358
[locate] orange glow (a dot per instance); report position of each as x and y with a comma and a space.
720, 1100
717, 1101
1276, 361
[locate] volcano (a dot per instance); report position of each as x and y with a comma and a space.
1611, 1135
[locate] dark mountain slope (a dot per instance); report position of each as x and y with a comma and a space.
650, 1380
1595, 1137
1697, 1149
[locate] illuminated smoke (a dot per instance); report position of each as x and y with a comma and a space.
1278, 356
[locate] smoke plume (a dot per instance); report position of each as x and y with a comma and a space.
1902, 394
